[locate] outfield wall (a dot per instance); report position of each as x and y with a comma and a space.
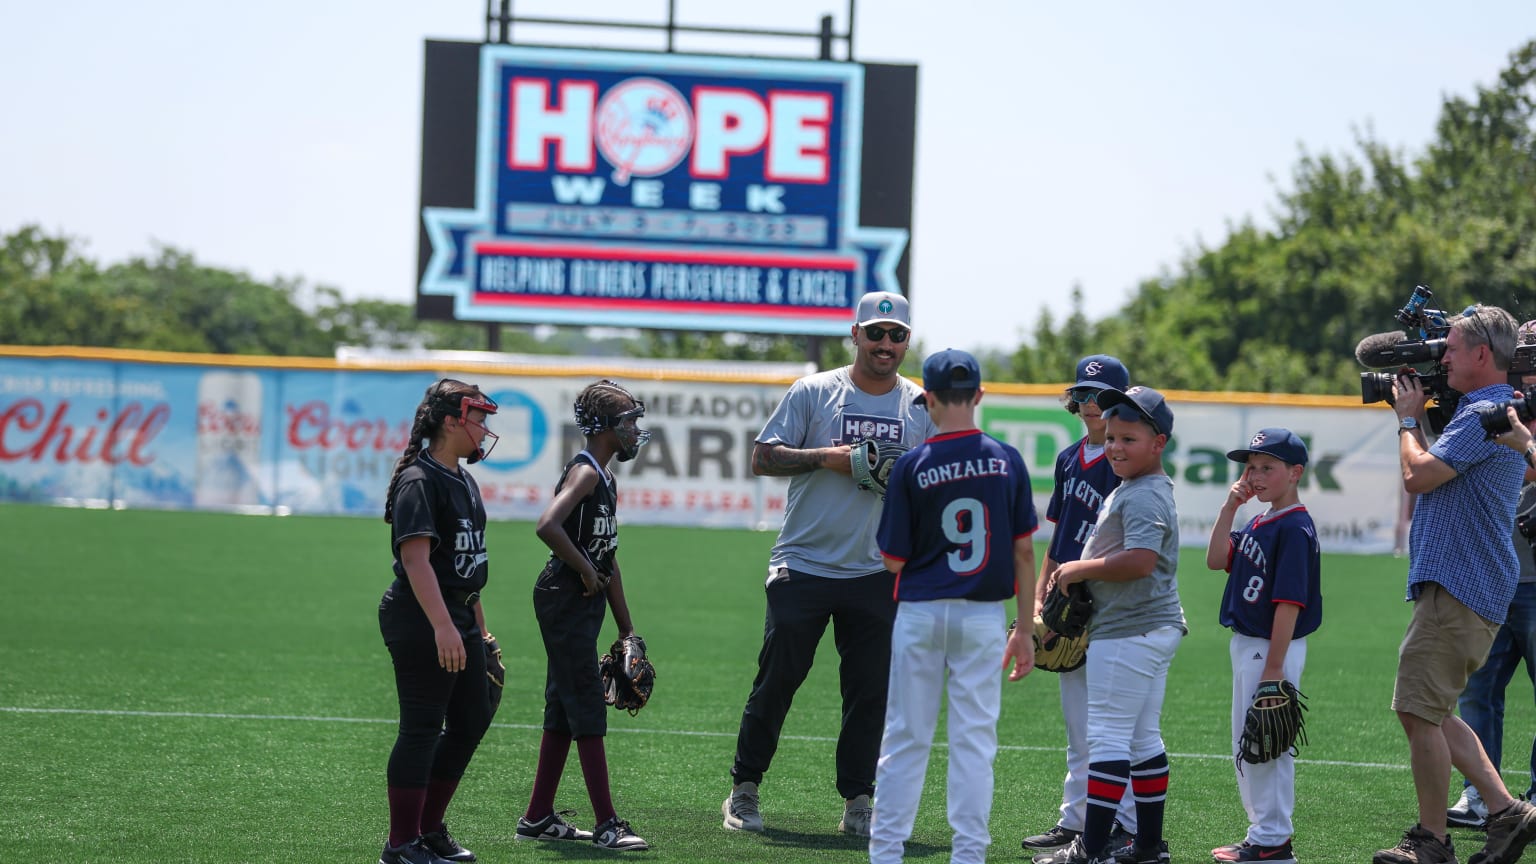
110, 428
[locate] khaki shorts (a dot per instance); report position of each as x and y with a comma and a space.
1446, 642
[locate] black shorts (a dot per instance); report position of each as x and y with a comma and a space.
570, 625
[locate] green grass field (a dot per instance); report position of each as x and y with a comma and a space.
211, 688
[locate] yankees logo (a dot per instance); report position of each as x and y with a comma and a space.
644, 128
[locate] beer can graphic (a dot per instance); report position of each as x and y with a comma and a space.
228, 440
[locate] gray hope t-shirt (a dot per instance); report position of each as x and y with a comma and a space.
1138, 514
829, 522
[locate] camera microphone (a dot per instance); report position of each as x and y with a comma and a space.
1379, 349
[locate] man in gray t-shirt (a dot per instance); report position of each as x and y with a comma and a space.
826, 566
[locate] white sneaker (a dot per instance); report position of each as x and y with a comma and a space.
856, 814
740, 809
1469, 811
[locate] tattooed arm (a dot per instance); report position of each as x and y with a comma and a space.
777, 460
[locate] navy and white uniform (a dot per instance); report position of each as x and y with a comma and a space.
443, 505
1274, 559
570, 623
954, 507
1084, 478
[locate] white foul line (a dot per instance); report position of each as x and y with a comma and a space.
300, 718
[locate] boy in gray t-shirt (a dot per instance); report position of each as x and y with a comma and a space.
1137, 623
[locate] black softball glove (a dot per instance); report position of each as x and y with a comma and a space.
628, 677
1067, 614
1274, 724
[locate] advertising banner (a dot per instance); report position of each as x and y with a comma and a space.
325, 441
656, 190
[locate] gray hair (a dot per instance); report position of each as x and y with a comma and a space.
1491, 326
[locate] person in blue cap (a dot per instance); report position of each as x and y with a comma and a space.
956, 532
1272, 602
1130, 565
1083, 479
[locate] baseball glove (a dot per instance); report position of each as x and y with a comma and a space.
628, 677
872, 461
1274, 725
1057, 653
1067, 614
494, 671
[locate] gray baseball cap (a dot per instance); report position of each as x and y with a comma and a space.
883, 307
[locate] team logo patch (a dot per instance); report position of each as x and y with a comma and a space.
644, 128
1094, 369
1257, 440
886, 307
867, 427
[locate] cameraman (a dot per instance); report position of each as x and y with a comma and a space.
1462, 572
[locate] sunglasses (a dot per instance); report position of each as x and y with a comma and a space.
874, 333
1082, 396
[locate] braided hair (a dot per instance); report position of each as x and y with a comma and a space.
599, 404
442, 400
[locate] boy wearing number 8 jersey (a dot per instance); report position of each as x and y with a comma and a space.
1272, 601
956, 532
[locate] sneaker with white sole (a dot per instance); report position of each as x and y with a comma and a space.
552, 827
856, 815
1469, 811
617, 835
740, 809
1072, 853
1055, 838
1509, 832
445, 847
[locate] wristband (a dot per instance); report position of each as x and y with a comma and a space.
1530, 454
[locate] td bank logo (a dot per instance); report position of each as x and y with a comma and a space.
1041, 433
1037, 433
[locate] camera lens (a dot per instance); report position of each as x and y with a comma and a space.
1376, 387
1495, 418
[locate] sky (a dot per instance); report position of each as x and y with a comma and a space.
1059, 144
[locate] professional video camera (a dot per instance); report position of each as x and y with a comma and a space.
1431, 326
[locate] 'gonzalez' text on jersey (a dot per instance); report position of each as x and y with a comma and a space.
953, 508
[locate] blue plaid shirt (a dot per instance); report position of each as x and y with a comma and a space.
1462, 528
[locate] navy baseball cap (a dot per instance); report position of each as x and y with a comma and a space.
950, 369
1101, 372
1146, 402
883, 307
1279, 443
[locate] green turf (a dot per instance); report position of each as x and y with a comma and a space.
212, 688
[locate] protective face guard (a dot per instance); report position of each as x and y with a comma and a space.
468, 404
630, 442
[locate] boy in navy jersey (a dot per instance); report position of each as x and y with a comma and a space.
956, 532
1271, 603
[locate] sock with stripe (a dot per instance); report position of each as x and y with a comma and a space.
1106, 786
1149, 783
